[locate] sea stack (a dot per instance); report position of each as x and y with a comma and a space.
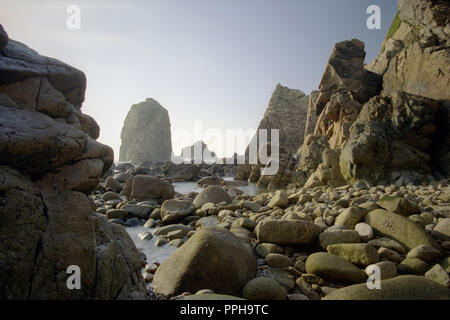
287, 112
146, 134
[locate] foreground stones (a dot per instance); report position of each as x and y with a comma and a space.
399, 288
287, 231
264, 289
333, 268
399, 228
289, 236
172, 210
373, 140
213, 258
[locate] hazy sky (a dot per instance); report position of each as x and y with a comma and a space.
214, 61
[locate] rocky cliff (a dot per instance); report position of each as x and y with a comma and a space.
146, 134
386, 122
287, 112
49, 161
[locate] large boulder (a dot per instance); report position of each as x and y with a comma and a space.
399, 288
213, 258
344, 88
213, 194
390, 142
399, 205
287, 112
50, 161
415, 58
334, 268
146, 134
60, 231
264, 289
19, 63
312, 116
35, 143
142, 187
287, 232
173, 210
399, 228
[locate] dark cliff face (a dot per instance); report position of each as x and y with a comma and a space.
146, 134
49, 161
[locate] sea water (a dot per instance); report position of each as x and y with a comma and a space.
159, 254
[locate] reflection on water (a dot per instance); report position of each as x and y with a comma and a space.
153, 253
159, 254
186, 187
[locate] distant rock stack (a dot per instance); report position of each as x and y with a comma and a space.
146, 134
49, 162
197, 153
344, 88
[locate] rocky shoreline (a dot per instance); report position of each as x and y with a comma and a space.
295, 243
359, 208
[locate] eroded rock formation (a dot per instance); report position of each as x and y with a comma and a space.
49, 161
146, 134
287, 112
386, 122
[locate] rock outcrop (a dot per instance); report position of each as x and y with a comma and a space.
416, 58
287, 112
49, 162
146, 134
344, 88
390, 142
213, 258
198, 153
387, 122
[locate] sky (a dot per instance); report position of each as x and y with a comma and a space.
212, 64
